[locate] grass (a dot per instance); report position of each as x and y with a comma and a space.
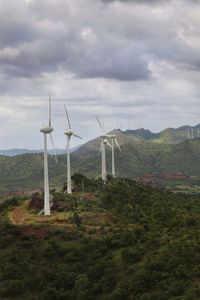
21, 215
92, 218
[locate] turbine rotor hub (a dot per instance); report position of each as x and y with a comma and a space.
69, 133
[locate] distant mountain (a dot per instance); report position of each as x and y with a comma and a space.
141, 133
14, 152
93, 145
26, 171
139, 155
168, 136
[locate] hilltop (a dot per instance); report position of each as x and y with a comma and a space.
169, 136
115, 241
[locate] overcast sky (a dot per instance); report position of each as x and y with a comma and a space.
134, 63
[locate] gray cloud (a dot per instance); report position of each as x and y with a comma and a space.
127, 61
116, 44
82, 48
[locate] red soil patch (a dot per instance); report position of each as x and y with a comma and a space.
98, 219
39, 232
18, 215
89, 197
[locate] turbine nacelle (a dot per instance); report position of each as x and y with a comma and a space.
104, 136
69, 133
46, 129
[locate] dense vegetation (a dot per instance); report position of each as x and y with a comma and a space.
149, 250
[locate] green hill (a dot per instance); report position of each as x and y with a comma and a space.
172, 136
138, 157
26, 171
115, 241
169, 136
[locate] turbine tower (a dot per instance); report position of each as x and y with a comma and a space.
47, 130
192, 133
69, 133
114, 142
102, 149
188, 133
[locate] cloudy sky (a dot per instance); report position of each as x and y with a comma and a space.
134, 63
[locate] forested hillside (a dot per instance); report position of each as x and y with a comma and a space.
136, 158
118, 241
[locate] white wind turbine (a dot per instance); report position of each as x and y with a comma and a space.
114, 142
188, 130
69, 133
102, 149
192, 133
47, 130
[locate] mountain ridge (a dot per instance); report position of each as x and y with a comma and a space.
138, 157
18, 151
169, 135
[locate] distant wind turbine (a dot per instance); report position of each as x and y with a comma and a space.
188, 133
192, 133
69, 133
102, 149
114, 142
47, 130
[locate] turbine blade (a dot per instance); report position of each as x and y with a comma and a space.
99, 123
49, 109
54, 149
76, 135
67, 117
100, 148
107, 143
104, 127
116, 142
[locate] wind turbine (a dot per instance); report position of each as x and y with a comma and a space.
102, 149
48, 129
114, 142
69, 133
